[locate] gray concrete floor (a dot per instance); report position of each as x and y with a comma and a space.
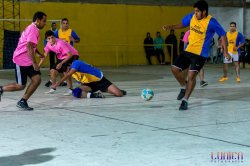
127, 131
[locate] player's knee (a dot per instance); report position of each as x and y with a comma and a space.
36, 80
20, 87
175, 70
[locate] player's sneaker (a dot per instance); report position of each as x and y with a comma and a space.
124, 92
68, 93
48, 84
203, 83
238, 79
181, 94
51, 91
24, 105
63, 84
222, 79
184, 105
98, 94
1, 92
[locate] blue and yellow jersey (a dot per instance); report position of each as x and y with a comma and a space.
85, 72
234, 39
201, 33
65, 35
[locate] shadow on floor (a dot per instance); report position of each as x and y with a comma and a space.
36, 156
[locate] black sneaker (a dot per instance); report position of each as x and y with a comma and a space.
124, 92
181, 94
203, 83
48, 84
184, 105
63, 84
97, 95
24, 105
1, 92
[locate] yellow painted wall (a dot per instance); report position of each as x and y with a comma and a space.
110, 33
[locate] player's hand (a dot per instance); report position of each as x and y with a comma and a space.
227, 56
41, 56
42, 59
59, 66
235, 48
167, 27
35, 66
71, 39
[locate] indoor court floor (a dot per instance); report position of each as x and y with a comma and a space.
128, 131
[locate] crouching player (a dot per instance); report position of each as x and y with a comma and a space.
65, 54
92, 81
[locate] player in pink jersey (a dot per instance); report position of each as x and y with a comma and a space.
65, 54
26, 65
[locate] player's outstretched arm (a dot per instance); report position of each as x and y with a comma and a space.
67, 75
42, 60
176, 26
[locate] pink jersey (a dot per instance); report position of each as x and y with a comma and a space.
21, 56
185, 38
61, 48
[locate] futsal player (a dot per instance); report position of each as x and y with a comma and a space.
25, 61
202, 28
92, 80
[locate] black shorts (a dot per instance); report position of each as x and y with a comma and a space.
187, 59
22, 72
65, 65
101, 85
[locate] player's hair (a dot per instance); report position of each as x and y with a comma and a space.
38, 15
202, 5
64, 19
49, 33
233, 23
53, 23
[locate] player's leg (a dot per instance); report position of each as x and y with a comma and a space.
20, 84
225, 68
51, 64
237, 66
53, 75
197, 63
105, 85
113, 89
202, 79
192, 74
81, 93
178, 69
35, 77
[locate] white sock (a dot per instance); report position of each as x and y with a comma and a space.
88, 95
184, 99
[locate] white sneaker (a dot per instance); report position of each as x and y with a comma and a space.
51, 91
68, 93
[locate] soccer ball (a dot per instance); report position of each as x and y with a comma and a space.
147, 94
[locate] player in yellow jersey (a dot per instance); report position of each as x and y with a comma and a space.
202, 29
235, 40
67, 34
